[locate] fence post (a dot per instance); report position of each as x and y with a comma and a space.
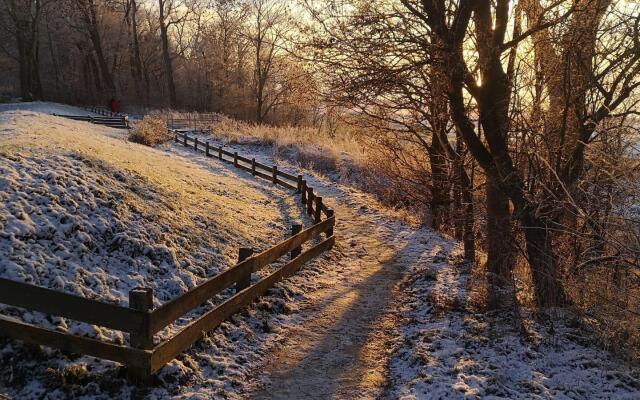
310, 198
253, 166
295, 228
235, 158
245, 281
185, 139
220, 152
177, 140
195, 144
206, 148
303, 191
141, 299
299, 186
274, 173
318, 212
330, 214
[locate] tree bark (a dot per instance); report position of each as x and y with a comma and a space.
26, 31
134, 49
546, 278
166, 57
500, 241
440, 191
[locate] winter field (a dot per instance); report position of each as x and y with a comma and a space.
389, 313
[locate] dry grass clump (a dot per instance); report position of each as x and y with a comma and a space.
310, 147
151, 131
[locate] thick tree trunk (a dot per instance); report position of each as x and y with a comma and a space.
500, 241
468, 217
96, 40
27, 44
134, 49
546, 278
166, 59
440, 192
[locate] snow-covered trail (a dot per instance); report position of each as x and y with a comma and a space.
389, 313
342, 346
339, 352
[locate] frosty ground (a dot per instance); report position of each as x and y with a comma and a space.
383, 315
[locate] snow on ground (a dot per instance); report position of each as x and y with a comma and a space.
448, 350
45, 107
390, 318
383, 315
86, 212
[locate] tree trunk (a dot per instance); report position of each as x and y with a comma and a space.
134, 49
166, 58
96, 40
466, 192
27, 43
440, 197
546, 278
500, 240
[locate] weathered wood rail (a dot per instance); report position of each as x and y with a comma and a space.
191, 122
104, 111
112, 122
143, 355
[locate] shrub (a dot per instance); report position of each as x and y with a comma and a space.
151, 131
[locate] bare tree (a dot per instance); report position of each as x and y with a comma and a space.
21, 18
536, 204
267, 33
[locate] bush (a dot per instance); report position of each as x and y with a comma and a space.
151, 131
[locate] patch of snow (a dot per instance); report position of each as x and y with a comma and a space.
447, 350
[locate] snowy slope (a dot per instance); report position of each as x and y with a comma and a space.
448, 350
86, 212
45, 108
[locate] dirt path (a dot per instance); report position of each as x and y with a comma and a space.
339, 344
341, 350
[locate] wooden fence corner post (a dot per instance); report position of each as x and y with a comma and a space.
318, 211
141, 299
195, 144
303, 191
206, 149
177, 137
185, 139
244, 281
220, 152
274, 175
330, 213
310, 198
299, 186
235, 158
296, 228
253, 166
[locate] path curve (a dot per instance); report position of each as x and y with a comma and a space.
341, 350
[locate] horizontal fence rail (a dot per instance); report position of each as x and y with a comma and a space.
112, 122
104, 111
50, 301
142, 355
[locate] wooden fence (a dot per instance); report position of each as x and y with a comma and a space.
112, 122
200, 122
143, 355
104, 111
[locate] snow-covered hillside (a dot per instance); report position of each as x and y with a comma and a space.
84, 211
